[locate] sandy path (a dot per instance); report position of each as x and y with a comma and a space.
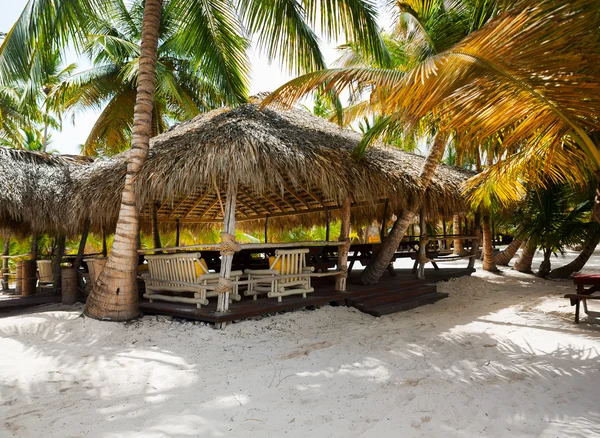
500, 357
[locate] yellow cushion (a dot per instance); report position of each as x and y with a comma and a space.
201, 267
278, 265
143, 267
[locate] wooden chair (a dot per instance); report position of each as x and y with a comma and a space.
286, 262
95, 266
177, 274
45, 274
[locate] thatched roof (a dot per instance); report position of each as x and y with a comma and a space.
36, 190
287, 163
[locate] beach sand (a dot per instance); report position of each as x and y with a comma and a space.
500, 357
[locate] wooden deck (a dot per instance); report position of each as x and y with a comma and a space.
390, 295
16, 302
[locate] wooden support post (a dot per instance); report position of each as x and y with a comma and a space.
422, 256
82, 242
383, 222
104, 247
475, 242
327, 224
227, 255
177, 232
444, 231
155, 231
267, 229
5, 253
342, 264
60, 252
34, 246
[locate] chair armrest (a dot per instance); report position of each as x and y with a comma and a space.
261, 272
307, 269
211, 276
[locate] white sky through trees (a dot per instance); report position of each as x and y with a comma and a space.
264, 77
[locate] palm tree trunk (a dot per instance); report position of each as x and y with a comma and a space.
577, 265
379, 264
115, 295
523, 263
505, 256
545, 266
459, 248
488, 246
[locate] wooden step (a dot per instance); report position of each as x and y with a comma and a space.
358, 292
400, 306
392, 297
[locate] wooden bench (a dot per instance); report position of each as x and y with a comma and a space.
583, 293
178, 274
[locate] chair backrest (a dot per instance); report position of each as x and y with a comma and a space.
45, 270
174, 267
95, 266
289, 262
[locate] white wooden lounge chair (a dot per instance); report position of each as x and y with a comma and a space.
286, 262
172, 275
45, 274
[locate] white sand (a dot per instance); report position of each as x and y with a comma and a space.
501, 357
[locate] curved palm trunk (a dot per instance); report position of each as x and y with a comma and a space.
115, 296
546, 265
577, 264
523, 263
488, 244
505, 256
379, 264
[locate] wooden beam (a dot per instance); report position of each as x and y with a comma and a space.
155, 231
104, 247
274, 204
82, 242
34, 247
327, 224
340, 280
197, 203
60, 252
183, 201
5, 258
267, 229
226, 258
295, 195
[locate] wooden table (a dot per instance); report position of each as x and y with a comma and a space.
587, 285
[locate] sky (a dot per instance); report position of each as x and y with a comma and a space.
265, 76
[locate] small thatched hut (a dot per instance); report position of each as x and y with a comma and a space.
36, 191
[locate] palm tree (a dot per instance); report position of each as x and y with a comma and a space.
182, 91
552, 219
521, 74
11, 119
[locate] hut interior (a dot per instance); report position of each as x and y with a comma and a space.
244, 168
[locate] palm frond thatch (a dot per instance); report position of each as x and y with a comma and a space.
289, 165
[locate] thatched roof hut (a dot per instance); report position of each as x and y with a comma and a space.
287, 165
